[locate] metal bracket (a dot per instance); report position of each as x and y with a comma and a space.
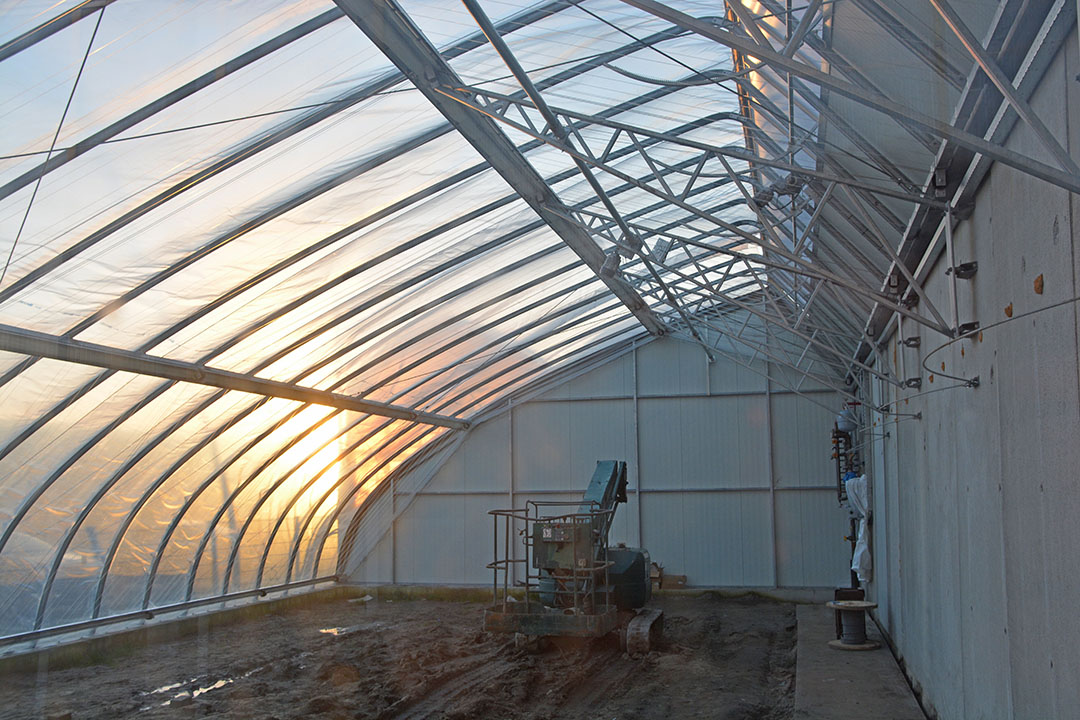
910, 301
940, 183
964, 271
610, 265
912, 342
968, 327
963, 210
913, 383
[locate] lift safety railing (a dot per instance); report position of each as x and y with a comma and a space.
580, 584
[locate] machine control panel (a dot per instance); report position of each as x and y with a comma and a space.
557, 533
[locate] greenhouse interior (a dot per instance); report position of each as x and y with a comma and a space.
539, 358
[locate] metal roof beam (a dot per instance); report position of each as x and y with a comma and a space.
805, 24
557, 129
35, 35
390, 29
812, 269
66, 155
729, 151
876, 101
1005, 86
28, 342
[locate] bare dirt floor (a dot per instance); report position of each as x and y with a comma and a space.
719, 658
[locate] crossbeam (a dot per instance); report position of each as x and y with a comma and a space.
29, 342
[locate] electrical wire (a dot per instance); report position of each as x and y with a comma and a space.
52, 145
295, 108
199, 126
973, 382
884, 408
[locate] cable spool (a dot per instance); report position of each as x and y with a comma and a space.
853, 625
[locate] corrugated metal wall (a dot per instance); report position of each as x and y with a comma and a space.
731, 479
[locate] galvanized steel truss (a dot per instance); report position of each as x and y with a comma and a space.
677, 228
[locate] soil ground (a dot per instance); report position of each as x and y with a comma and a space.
720, 658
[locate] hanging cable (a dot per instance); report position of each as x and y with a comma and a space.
52, 146
884, 409
974, 382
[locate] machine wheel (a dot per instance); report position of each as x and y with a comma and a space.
643, 631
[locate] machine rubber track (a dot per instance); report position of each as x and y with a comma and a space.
643, 631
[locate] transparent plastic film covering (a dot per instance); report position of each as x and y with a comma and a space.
255, 187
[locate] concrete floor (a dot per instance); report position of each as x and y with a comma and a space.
840, 685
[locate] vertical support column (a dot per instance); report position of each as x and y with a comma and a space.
900, 352
393, 529
511, 567
772, 481
637, 447
952, 274
708, 374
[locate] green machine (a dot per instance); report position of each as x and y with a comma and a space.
575, 584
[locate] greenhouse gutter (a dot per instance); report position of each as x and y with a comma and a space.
29, 342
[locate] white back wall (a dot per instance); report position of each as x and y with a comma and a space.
731, 477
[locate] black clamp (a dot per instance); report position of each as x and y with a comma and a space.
967, 328
964, 271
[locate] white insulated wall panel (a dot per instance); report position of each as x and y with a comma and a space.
557, 444
802, 432
377, 567
614, 379
482, 463
728, 376
704, 442
446, 539
714, 538
810, 546
671, 368
373, 560
702, 463
792, 381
